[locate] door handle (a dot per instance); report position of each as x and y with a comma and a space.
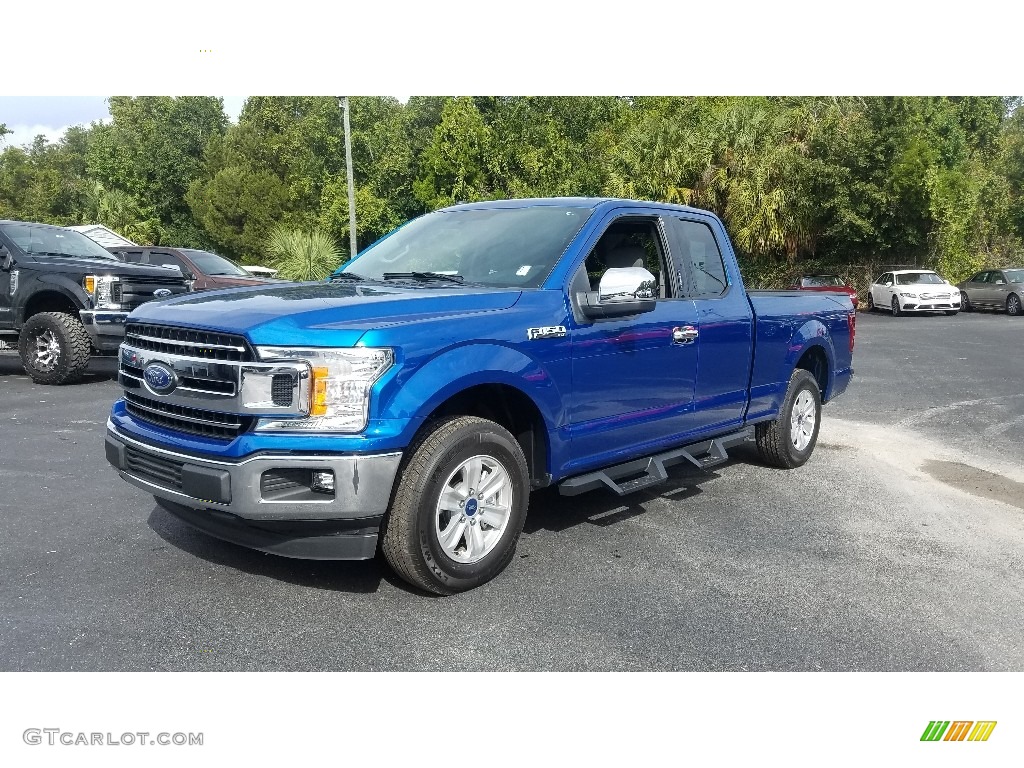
686, 334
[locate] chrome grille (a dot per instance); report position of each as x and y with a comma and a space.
188, 342
196, 421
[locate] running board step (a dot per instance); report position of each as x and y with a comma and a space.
643, 473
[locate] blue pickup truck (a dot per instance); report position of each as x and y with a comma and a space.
415, 398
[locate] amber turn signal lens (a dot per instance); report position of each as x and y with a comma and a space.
89, 284
318, 401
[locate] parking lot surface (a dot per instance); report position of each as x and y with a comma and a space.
897, 547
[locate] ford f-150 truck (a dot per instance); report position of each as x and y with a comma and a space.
63, 297
417, 396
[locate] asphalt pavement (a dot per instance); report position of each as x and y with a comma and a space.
897, 547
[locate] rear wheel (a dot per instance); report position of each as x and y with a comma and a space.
789, 441
54, 348
1013, 306
895, 307
459, 507
965, 302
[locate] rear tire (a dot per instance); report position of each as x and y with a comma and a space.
965, 302
789, 441
54, 348
459, 507
871, 302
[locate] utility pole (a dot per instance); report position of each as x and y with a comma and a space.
351, 182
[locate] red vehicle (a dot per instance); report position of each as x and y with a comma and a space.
832, 283
203, 270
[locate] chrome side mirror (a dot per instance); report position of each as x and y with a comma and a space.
621, 292
6, 259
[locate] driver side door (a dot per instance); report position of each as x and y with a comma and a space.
633, 377
7, 285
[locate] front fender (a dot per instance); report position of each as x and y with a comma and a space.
49, 283
460, 368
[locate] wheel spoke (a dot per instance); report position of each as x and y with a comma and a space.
493, 484
494, 516
474, 470
450, 498
451, 535
474, 541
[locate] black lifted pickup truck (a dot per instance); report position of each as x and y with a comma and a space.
63, 297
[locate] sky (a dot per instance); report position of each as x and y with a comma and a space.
30, 116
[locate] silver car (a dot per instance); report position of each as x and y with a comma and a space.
995, 289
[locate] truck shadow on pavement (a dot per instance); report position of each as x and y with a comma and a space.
551, 511
548, 511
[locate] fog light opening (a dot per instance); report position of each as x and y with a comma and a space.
323, 481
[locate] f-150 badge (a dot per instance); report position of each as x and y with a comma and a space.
548, 332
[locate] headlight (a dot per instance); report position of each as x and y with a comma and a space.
340, 383
103, 291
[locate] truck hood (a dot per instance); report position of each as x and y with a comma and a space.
340, 313
76, 265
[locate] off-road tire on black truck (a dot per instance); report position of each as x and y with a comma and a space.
410, 530
775, 439
70, 340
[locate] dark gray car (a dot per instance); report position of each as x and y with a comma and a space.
1001, 289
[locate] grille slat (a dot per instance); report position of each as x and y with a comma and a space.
187, 342
196, 421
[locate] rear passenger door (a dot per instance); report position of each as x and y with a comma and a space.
725, 324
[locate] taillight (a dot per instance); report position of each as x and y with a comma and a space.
851, 321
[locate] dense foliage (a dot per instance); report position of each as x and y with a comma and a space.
842, 183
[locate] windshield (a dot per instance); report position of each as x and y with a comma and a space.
915, 278
41, 240
212, 264
497, 247
1014, 275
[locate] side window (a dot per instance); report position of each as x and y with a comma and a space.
630, 243
979, 278
700, 257
997, 277
164, 260
886, 278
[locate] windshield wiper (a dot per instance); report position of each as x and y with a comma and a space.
72, 255
458, 279
347, 276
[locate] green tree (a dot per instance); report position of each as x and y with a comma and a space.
303, 254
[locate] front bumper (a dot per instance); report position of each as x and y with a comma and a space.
925, 305
266, 501
105, 327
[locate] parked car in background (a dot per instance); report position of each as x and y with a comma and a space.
259, 271
831, 283
913, 290
203, 270
995, 289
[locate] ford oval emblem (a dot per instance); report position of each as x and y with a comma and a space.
162, 293
160, 379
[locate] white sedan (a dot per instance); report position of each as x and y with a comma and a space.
913, 290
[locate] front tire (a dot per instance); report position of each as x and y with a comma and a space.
965, 302
1013, 306
459, 507
789, 441
871, 302
54, 348
895, 307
